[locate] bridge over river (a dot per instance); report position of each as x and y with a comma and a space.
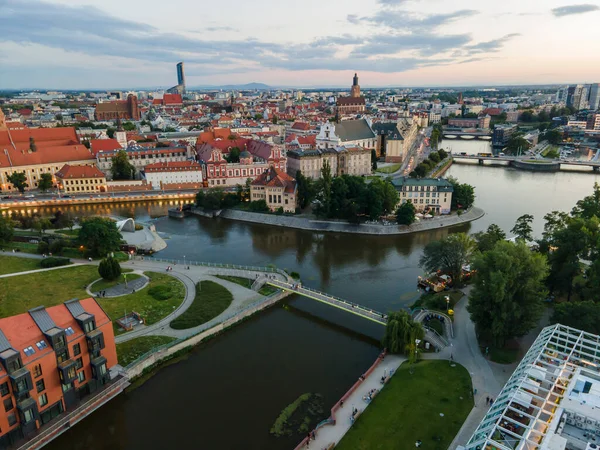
528, 162
431, 335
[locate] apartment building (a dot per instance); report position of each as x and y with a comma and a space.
428, 195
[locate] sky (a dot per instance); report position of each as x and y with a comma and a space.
88, 44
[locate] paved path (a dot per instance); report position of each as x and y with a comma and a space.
40, 270
122, 288
330, 434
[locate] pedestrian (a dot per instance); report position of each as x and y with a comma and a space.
341, 403
90, 259
487, 400
451, 357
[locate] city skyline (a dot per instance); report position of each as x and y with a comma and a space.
64, 45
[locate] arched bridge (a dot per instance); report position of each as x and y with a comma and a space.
366, 313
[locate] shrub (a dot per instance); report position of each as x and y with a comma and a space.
279, 210
57, 245
160, 292
54, 262
109, 269
138, 227
259, 206
42, 247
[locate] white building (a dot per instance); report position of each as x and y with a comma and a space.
552, 399
176, 173
435, 116
347, 133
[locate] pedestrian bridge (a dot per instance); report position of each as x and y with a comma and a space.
366, 313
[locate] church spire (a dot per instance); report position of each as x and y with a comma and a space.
355, 90
355, 80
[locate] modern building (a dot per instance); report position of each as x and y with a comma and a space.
175, 174
179, 88
428, 195
52, 359
577, 96
552, 399
277, 188
118, 109
594, 97
355, 103
347, 132
80, 180
502, 134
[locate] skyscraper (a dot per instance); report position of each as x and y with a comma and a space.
577, 96
180, 75
594, 96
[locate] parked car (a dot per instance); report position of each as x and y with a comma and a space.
30, 196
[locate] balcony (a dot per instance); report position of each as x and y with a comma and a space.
67, 371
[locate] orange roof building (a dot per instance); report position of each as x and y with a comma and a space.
276, 188
119, 109
81, 179
50, 359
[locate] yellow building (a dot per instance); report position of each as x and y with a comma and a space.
276, 188
428, 195
81, 179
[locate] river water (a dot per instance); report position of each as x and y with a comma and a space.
228, 392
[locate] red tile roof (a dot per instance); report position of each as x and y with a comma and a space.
172, 99
44, 137
308, 140
173, 166
276, 178
100, 145
75, 172
45, 155
301, 126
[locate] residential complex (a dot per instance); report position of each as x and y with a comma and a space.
51, 360
552, 399
428, 195
502, 134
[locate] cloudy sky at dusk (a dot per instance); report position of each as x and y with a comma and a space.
134, 43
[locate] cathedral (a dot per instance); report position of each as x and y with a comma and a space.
354, 104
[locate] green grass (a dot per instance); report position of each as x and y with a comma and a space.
211, 300
129, 351
408, 409
24, 247
105, 284
66, 232
267, 290
20, 293
537, 161
389, 169
14, 264
436, 325
142, 302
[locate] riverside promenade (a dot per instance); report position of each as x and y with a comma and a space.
305, 223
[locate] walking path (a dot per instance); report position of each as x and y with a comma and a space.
122, 288
40, 270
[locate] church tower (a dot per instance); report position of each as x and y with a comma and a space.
355, 90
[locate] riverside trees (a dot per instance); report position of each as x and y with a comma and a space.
449, 255
401, 332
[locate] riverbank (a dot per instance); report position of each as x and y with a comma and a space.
304, 223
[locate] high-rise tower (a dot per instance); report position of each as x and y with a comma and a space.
355, 90
180, 75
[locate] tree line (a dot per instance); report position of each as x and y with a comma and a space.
423, 169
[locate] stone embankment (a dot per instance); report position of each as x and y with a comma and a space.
304, 223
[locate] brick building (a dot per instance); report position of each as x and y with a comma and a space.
119, 109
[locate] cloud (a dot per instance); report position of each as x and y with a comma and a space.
574, 9
494, 45
409, 21
424, 44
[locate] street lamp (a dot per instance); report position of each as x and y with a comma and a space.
447, 303
184, 261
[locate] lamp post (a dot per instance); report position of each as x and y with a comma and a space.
184, 261
447, 303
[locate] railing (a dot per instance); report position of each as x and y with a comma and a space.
382, 316
448, 320
441, 338
189, 262
222, 320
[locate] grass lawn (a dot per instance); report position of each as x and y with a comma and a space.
129, 351
247, 283
24, 247
389, 169
211, 300
13, 264
105, 284
20, 293
142, 302
408, 409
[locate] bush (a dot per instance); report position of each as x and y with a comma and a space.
57, 246
279, 211
109, 269
42, 247
138, 227
160, 292
54, 262
259, 206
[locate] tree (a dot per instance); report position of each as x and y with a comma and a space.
506, 299
405, 215
275, 120
6, 230
41, 225
401, 331
522, 229
128, 126
435, 157
449, 255
18, 180
99, 236
234, 155
259, 206
582, 315
32, 145
526, 116
306, 190
324, 189
373, 159
121, 168
589, 206
517, 144
45, 182
463, 196
486, 240
553, 137
109, 269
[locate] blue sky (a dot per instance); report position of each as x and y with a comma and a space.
114, 43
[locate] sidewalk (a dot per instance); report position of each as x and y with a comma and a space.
40, 270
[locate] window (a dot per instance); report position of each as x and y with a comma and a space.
76, 349
61, 341
14, 365
62, 356
69, 331
40, 385
12, 419
102, 369
78, 363
71, 372
8, 404
66, 387
27, 416
81, 376
4, 389
41, 345
37, 370
22, 385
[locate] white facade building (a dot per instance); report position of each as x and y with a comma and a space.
173, 173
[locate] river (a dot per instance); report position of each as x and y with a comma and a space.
228, 392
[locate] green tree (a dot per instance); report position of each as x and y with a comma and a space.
449, 255
553, 137
99, 236
522, 229
109, 268
306, 190
463, 195
373, 159
128, 126
45, 182
401, 331
486, 240
506, 299
582, 315
275, 120
18, 180
517, 144
6, 230
234, 155
405, 215
259, 206
589, 206
435, 157
324, 190
526, 116
41, 224
121, 168
32, 145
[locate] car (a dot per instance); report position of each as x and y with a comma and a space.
67, 196
7, 197
30, 196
